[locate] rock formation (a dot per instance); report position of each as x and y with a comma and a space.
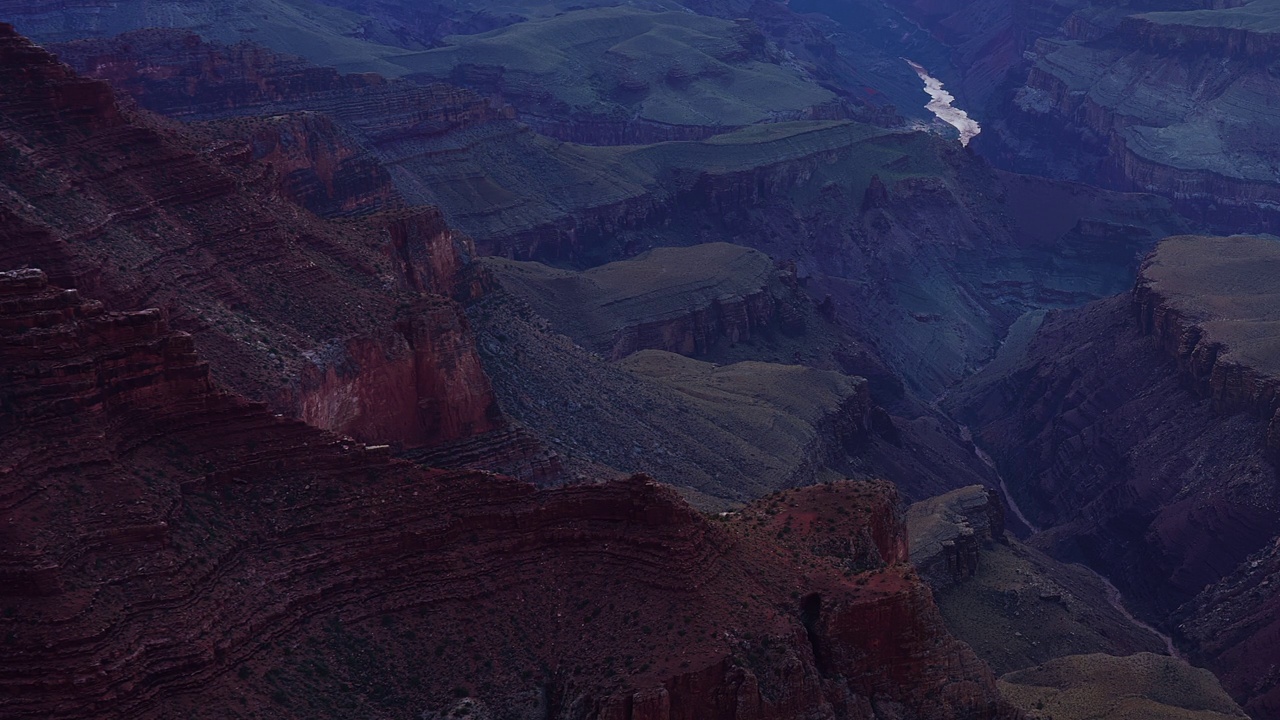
972, 249
1173, 102
1016, 606
1138, 431
174, 549
682, 300
948, 531
327, 321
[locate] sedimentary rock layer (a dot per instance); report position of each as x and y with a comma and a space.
171, 549
330, 321
1139, 432
681, 300
1175, 103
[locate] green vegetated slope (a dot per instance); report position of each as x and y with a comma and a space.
320, 33
1066, 649
689, 300
642, 416
499, 180
674, 68
1191, 90
1023, 607
770, 414
664, 283
1137, 687
1259, 16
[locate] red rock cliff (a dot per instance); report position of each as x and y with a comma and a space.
138, 210
173, 550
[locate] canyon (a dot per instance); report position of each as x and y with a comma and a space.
185, 504
1175, 102
850, 204
640, 362
1179, 372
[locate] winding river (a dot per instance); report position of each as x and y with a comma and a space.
940, 104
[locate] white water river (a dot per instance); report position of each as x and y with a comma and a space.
940, 104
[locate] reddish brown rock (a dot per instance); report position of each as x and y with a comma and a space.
317, 164
320, 319
171, 549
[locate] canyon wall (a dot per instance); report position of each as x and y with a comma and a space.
331, 321
175, 549
1138, 432
1174, 103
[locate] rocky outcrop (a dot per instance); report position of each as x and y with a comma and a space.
1232, 627
1217, 351
330, 321
1171, 33
949, 531
795, 191
175, 72
174, 549
317, 129
316, 163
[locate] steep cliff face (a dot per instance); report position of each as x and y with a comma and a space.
1174, 103
175, 72
176, 550
976, 248
313, 317
178, 73
1016, 606
1233, 623
317, 164
984, 40
1109, 448
948, 531
1139, 432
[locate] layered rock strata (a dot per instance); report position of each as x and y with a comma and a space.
340, 323
794, 190
172, 549
1138, 431
1172, 102
948, 531
681, 300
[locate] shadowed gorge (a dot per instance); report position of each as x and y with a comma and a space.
1183, 378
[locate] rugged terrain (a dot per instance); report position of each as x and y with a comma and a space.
718, 257
1137, 433
1057, 631
1177, 102
713, 431
1016, 606
172, 549
927, 255
346, 325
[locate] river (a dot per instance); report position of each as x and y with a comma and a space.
941, 105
